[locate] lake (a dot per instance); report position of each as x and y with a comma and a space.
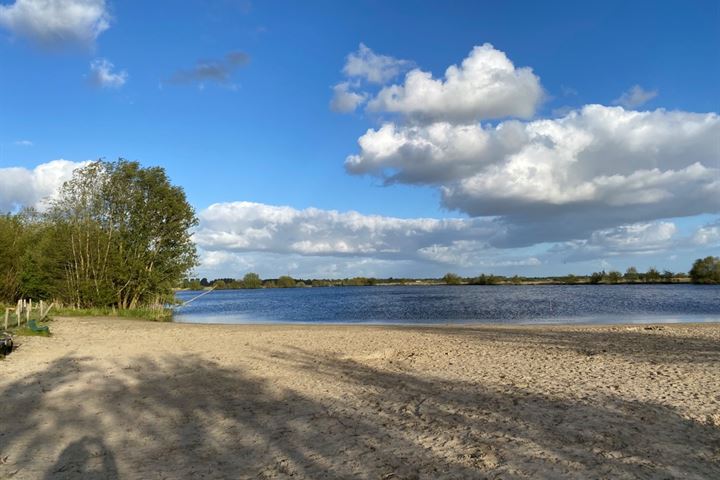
442, 304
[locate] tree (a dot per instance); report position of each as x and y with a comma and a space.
285, 282
597, 277
452, 279
485, 280
251, 280
706, 270
631, 275
127, 230
614, 276
652, 275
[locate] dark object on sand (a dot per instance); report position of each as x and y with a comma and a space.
39, 329
6, 344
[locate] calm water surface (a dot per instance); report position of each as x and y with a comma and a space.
457, 304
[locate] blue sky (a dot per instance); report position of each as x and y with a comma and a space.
266, 133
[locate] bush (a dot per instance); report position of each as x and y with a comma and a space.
706, 270
452, 279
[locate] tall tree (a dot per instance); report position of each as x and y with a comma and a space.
129, 234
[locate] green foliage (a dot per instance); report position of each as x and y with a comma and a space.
452, 279
485, 280
706, 270
118, 235
285, 282
26, 332
652, 275
597, 277
358, 282
155, 314
251, 280
631, 275
614, 276
127, 230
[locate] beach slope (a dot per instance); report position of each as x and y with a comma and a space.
111, 398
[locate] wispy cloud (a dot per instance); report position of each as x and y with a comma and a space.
635, 97
23, 143
218, 71
102, 74
372, 67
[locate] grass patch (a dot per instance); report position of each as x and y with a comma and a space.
26, 332
152, 314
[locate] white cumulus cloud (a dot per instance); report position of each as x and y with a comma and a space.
635, 239
247, 226
241, 236
102, 74
486, 85
56, 23
558, 179
22, 187
344, 100
708, 235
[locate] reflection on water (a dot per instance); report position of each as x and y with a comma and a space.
461, 304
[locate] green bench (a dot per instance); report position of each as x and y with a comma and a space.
32, 325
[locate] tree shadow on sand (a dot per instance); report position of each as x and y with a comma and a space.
186, 417
87, 458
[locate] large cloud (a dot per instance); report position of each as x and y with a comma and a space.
636, 239
245, 236
246, 226
486, 85
558, 179
21, 187
56, 23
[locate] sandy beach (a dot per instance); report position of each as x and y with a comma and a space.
110, 398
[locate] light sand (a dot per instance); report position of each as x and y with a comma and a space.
107, 398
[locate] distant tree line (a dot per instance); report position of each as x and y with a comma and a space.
117, 235
705, 270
